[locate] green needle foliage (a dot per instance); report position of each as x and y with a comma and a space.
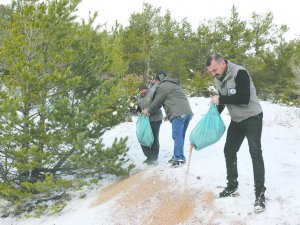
59, 93
64, 82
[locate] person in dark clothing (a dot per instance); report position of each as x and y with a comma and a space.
144, 100
170, 95
237, 92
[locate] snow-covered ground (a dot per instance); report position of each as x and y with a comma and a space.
166, 196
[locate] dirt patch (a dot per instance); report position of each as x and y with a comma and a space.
208, 199
115, 189
148, 189
146, 198
141, 200
172, 210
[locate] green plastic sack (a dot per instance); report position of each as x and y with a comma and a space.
208, 130
143, 130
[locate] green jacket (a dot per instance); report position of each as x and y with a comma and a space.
146, 101
170, 95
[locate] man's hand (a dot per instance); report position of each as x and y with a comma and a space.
146, 113
215, 100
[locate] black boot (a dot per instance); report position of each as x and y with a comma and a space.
260, 200
146, 161
177, 163
151, 162
171, 160
230, 191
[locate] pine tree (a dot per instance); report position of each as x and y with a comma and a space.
60, 93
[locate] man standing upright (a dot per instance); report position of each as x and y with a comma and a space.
170, 95
237, 92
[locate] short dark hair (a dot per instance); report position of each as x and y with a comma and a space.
161, 75
215, 57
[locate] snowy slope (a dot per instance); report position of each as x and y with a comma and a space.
164, 195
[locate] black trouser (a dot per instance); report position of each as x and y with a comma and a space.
250, 128
152, 152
